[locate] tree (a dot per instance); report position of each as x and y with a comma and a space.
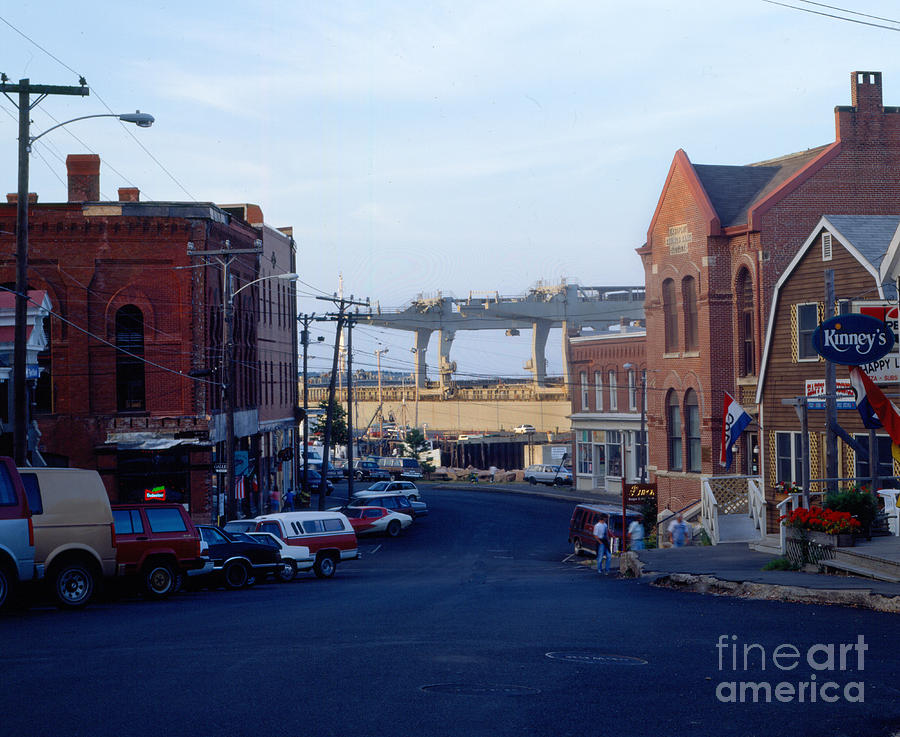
338, 422
415, 445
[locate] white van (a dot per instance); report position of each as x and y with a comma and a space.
328, 535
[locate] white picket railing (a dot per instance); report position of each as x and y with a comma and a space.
709, 512
756, 503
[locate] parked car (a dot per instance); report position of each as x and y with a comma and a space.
314, 478
371, 520
16, 533
585, 516
401, 468
74, 535
523, 429
296, 558
157, 542
548, 474
394, 501
328, 535
366, 470
405, 487
236, 563
240, 525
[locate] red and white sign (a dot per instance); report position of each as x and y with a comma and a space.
815, 394
885, 370
157, 494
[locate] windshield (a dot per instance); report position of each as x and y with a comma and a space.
380, 486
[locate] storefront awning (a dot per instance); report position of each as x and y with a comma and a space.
146, 441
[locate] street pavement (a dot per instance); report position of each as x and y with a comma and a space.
475, 622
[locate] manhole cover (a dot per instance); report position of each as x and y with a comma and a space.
597, 658
481, 689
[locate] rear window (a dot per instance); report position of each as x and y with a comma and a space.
165, 520
7, 490
33, 492
127, 521
334, 525
410, 463
272, 527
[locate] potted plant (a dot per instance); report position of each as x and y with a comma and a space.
858, 502
822, 526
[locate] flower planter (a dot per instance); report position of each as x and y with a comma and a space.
843, 540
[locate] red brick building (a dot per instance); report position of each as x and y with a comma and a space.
717, 243
132, 378
607, 379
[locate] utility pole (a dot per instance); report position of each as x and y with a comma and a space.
350, 320
342, 305
380, 402
20, 389
224, 256
305, 320
831, 460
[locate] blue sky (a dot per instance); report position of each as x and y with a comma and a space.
441, 146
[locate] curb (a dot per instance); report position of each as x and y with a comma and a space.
631, 565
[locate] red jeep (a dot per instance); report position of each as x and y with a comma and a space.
159, 543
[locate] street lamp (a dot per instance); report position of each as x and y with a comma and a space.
24, 88
228, 294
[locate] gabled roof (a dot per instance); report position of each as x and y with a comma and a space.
868, 238
735, 190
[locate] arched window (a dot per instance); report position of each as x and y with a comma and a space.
130, 387
673, 427
746, 332
670, 315
689, 300
692, 430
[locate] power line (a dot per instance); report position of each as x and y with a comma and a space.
836, 17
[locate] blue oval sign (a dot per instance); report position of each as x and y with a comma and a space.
853, 339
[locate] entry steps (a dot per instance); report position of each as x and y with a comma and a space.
865, 562
770, 544
737, 527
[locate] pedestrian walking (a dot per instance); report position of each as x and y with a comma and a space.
679, 532
601, 535
493, 472
636, 533
288, 501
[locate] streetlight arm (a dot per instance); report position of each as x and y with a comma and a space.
142, 120
290, 277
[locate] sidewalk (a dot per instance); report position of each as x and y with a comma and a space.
732, 568
565, 493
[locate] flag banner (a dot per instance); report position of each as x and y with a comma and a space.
734, 421
239, 488
874, 406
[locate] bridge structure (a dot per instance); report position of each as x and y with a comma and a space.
567, 306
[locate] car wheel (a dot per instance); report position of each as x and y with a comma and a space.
532, 481
159, 580
325, 566
235, 575
393, 528
287, 571
358, 476
73, 584
557, 482
5, 586
579, 550
414, 498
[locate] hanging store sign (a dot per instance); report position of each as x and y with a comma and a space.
639, 493
156, 494
815, 394
885, 370
853, 340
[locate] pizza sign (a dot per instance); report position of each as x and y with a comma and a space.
886, 370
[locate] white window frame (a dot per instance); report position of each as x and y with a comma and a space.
598, 390
800, 356
585, 401
632, 391
795, 458
827, 248
613, 392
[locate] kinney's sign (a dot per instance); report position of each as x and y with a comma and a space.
853, 339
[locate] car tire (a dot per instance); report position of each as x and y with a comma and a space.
579, 549
6, 582
235, 575
358, 476
393, 528
325, 566
532, 481
288, 571
73, 583
557, 482
160, 580
414, 498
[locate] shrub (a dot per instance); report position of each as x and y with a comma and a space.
781, 564
857, 502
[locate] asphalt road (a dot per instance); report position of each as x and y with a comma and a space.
445, 630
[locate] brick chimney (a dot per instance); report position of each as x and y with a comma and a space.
13, 198
129, 194
864, 121
84, 177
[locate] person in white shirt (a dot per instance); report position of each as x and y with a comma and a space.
636, 533
601, 535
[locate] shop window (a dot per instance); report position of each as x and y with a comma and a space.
885, 462
746, 330
807, 322
789, 457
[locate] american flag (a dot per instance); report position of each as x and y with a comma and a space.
239, 488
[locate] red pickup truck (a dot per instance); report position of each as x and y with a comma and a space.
159, 543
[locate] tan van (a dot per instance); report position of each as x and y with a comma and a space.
74, 536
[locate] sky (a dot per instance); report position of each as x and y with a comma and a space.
450, 147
